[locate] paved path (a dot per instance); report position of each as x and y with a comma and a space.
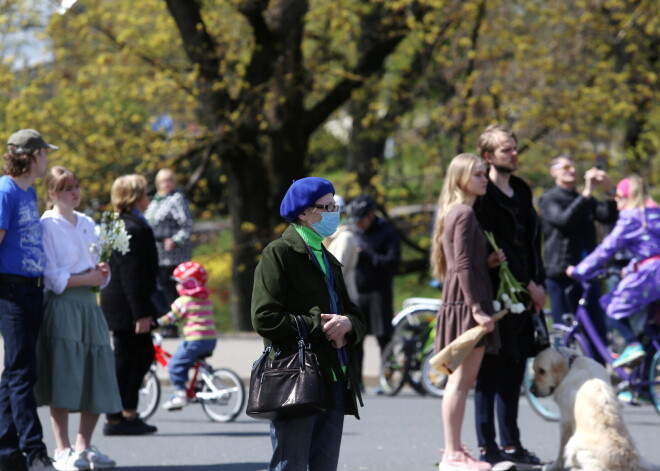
238, 351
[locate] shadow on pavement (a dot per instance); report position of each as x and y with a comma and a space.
203, 467
214, 434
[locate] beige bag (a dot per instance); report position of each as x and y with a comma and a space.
450, 357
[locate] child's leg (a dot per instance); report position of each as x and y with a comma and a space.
623, 327
182, 359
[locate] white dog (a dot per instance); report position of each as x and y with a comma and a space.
592, 436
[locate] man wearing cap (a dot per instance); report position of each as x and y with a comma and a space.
379, 257
22, 261
297, 276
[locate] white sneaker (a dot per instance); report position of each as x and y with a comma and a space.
68, 460
177, 401
96, 459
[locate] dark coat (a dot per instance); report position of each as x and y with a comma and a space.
568, 227
127, 297
288, 282
378, 260
516, 331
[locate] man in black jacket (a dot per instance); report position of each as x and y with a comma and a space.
508, 212
570, 234
379, 255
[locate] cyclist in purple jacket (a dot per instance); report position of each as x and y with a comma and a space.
637, 230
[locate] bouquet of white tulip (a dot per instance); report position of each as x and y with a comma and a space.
112, 236
510, 290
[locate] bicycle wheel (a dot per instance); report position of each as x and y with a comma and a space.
393, 367
222, 395
149, 395
654, 378
433, 381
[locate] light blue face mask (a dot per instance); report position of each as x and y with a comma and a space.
328, 224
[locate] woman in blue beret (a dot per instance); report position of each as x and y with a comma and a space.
298, 276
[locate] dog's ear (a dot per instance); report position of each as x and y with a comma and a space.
559, 365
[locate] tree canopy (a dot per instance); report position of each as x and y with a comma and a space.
260, 92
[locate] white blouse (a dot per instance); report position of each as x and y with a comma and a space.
68, 248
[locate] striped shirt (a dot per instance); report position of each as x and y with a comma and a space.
195, 315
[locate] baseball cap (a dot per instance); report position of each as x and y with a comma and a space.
360, 207
28, 140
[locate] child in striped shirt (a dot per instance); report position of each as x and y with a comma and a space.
194, 310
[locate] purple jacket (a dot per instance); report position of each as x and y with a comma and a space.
641, 285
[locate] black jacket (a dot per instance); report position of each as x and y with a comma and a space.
127, 297
516, 330
568, 227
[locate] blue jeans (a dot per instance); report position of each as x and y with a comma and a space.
564, 297
21, 310
184, 357
312, 441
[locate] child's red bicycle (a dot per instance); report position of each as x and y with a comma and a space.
220, 391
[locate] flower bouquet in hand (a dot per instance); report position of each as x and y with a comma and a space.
510, 291
112, 235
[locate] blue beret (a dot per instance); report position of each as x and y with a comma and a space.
302, 194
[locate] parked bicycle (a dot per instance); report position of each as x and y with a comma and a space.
641, 378
406, 357
220, 391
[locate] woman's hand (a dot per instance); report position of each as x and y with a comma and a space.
143, 325
104, 268
335, 327
495, 258
483, 319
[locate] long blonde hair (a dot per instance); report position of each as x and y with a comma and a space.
453, 193
634, 189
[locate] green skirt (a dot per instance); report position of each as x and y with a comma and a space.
75, 361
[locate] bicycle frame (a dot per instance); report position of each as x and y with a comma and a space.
162, 357
583, 329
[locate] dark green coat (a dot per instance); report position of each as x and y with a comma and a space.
288, 282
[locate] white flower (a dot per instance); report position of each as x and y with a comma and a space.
496, 305
112, 235
517, 308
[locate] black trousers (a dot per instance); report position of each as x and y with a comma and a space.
133, 356
498, 390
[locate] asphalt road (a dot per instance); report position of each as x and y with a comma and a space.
400, 433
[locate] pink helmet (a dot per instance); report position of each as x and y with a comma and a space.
192, 276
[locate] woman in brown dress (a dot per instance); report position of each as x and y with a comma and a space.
460, 257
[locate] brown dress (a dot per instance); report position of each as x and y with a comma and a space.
466, 281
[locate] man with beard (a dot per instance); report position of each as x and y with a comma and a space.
508, 213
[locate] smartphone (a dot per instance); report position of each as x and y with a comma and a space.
599, 162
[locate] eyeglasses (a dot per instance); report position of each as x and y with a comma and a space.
564, 167
331, 207
619, 196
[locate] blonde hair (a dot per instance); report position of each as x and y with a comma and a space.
126, 191
453, 193
638, 193
56, 180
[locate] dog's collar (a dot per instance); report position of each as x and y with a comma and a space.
569, 356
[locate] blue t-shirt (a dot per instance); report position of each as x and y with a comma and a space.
21, 250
